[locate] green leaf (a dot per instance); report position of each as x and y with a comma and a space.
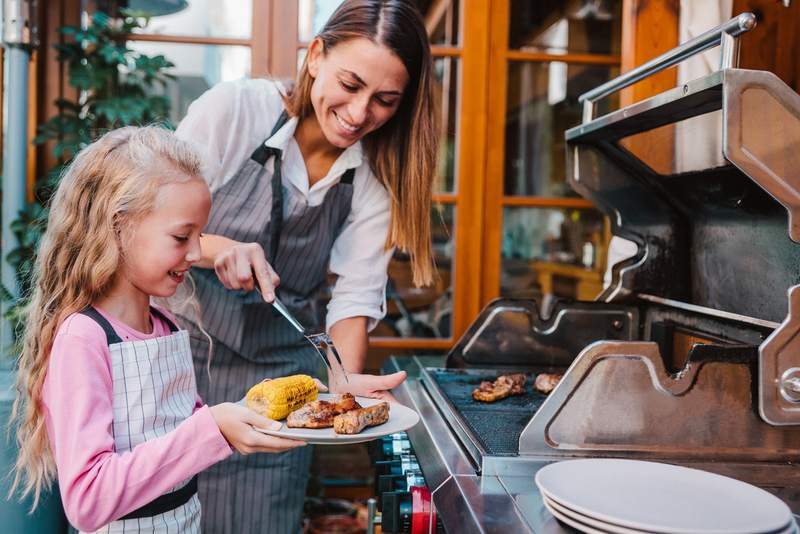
100, 19
116, 87
114, 53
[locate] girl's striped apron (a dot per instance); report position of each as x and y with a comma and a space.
262, 492
154, 391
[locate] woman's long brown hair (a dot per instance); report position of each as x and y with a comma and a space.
403, 152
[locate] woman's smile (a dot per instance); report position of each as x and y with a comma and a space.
346, 126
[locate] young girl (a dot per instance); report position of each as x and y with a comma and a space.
329, 177
107, 398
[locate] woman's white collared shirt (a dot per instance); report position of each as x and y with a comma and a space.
229, 121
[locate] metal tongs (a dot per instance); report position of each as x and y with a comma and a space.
321, 341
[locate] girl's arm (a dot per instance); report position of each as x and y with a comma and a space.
99, 485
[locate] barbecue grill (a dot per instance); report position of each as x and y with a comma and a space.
691, 356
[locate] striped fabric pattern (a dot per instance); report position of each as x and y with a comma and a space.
261, 492
154, 391
257, 492
306, 240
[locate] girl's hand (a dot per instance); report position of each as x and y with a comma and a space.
236, 264
236, 424
375, 386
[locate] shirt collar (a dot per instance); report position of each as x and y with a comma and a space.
281, 138
352, 157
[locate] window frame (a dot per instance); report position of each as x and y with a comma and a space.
501, 56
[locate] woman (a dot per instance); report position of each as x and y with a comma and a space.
330, 177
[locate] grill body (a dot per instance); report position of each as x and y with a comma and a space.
691, 355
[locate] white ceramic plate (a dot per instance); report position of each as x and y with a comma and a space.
574, 523
561, 510
400, 418
661, 498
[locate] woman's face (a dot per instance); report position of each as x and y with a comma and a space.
357, 88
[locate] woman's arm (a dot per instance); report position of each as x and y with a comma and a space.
236, 262
210, 247
350, 337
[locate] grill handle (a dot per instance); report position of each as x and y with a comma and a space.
724, 34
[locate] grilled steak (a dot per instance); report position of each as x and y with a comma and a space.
504, 386
546, 382
355, 421
320, 413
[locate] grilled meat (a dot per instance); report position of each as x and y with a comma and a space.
546, 382
504, 386
320, 413
355, 421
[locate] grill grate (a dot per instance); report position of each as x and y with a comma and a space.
496, 425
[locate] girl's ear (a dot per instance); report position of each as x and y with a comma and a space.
315, 52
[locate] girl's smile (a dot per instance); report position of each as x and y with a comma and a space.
177, 276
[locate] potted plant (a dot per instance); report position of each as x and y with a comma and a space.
117, 87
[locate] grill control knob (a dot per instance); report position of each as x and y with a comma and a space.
390, 483
790, 384
388, 467
396, 512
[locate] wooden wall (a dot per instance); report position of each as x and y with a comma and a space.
48, 76
774, 44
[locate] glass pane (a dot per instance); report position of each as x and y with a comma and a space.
441, 20
446, 70
562, 27
422, 311
549, 253
204, 18
312, 16
197, 68
542, 104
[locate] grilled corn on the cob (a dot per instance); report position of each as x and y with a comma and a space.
279, 397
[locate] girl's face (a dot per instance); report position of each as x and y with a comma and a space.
163, 244
357, 88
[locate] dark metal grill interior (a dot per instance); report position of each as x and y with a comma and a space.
497, 425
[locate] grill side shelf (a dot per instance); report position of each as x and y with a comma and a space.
618, 400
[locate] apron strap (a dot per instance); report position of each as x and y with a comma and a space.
260, 155
263, 152
111, 335
166, 502
163, 316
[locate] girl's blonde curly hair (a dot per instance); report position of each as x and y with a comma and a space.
109, 185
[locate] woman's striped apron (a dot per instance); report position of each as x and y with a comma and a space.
262, 492
154, 391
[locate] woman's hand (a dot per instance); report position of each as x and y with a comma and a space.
235, 264
236, 424
363, 385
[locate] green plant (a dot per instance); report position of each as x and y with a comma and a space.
117, 87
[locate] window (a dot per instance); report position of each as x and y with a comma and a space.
542, 241
509, 72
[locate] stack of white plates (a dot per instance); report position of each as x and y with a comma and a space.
605, 495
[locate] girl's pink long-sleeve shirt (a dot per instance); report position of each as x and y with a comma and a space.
99, 485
